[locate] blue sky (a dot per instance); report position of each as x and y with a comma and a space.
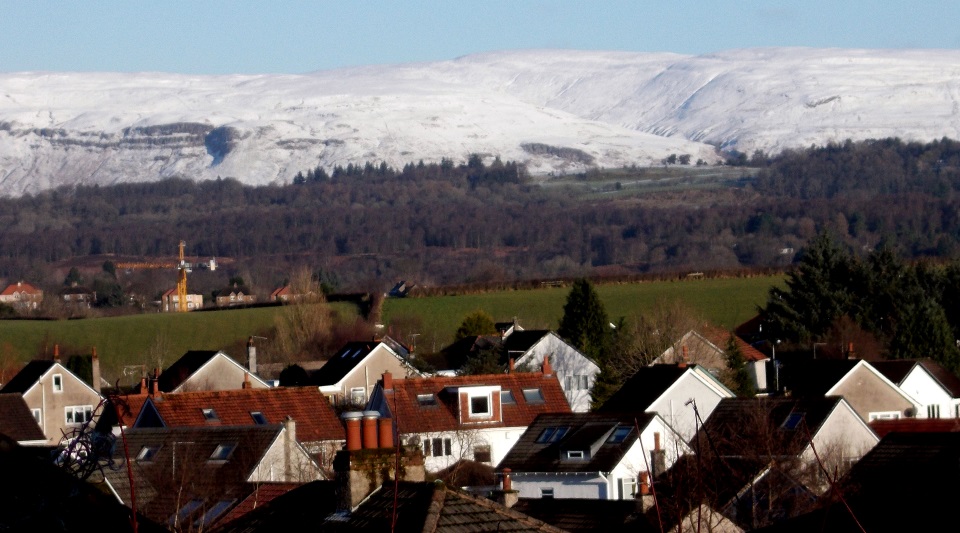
219, 37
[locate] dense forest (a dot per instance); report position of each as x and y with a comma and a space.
439, 224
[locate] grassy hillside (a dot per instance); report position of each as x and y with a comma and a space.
157, 339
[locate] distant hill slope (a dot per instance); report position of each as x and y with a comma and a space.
556, 110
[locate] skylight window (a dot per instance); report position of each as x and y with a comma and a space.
533, 395
619, 434
792, 421
507, 398
212, 513
426, 400
147, 454
210, 415
258, 418
222, 452
552, 434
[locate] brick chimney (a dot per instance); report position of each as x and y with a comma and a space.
546, 368
511, 367
95, 369
684, 359
505, 495
56, 353
851, 354
358, 472
387, 381
246, 380
658, 457
155, 383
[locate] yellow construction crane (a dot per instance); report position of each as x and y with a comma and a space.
183, 267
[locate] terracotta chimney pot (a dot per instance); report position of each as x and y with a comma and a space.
352, 419
386, 433
547, 369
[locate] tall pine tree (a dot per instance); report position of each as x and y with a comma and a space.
584, 324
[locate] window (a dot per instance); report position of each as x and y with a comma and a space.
481, 454
889, 415
222, 452
619, 434
426, 400
793, 420
38, 416
185, 511
533, 395
358, 395
575, 454
57, 383
506, 398
258, 418
933, 411
552, 434
576, 383
147, 453
546, 493
437, 447
78, 414
479, 405
628, 488
584, 382
210, 415
212, 513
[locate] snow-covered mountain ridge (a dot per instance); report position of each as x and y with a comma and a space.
608, 109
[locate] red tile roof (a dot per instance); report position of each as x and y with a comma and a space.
312, 412
411, 417
915, 425
21, 287
719, 338
264, 493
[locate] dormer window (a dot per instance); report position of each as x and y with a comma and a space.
480, 406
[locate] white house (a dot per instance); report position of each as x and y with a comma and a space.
207, 370
593, 456
351, 374
683, 395
935, 388
476, 418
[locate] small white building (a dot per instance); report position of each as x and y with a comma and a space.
576, 372
593, 456
935, 388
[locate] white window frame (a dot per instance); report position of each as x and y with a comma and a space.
546, 493
356, 392
58, 383
576, 454
933, 411
70, 413
488, 413
884, 415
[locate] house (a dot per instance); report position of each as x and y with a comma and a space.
576, 372
868, 391
170, 301
933, 386
683, 395
17, 421
60, 402
78, 295
707, 347
521, 349
822, 435
21, 296
319, 429
351, 374
466, 417
188, 477
234, 295
596, 456
206, 370
925, 464
43, 496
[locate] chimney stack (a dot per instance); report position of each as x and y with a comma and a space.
155, 383
850, 353
246, 380
143, 385
684, 358
506, 496
95, 369
387, 381
56, 353
386, 433
546, 369
251, 356
369, 432
511, 368
352, 419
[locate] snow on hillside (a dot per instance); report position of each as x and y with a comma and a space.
607, 109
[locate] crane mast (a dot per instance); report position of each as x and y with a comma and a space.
183, 268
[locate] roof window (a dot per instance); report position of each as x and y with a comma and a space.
258, 418
426, 400
619, 434
147, 454
793, 420
507, 398
222, 452
552, 434
210, 415
533, 395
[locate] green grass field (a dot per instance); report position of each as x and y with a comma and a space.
137, 339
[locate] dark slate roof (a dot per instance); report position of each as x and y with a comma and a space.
183, 368
346, 359
181, 467
586, 516
40, 496
814, 377
644, 387
896, 370
455, 355
586, 431
783, 425
16, 420
420, 506
923, 465
27, 376
521, 341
